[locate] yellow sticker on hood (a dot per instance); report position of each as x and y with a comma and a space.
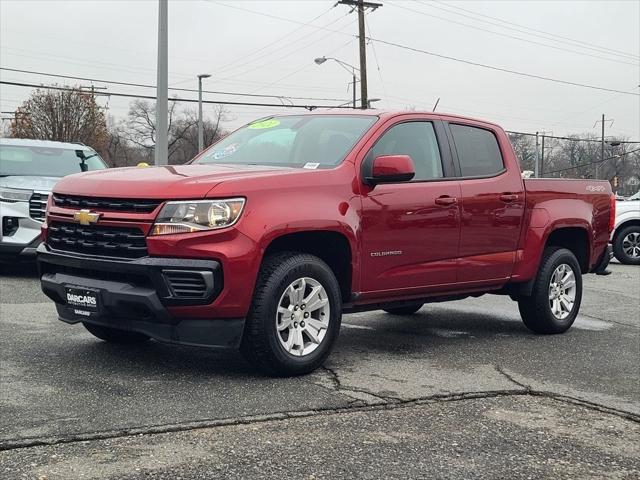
265, 124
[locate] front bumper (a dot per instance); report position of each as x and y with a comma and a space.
137, 295
24, 241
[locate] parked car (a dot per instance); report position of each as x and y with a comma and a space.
28, 171
626, 235
270, 235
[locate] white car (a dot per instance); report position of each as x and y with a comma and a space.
28, 171
626, 234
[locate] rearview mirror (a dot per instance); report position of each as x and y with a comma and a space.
391, 169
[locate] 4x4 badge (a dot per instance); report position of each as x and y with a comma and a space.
85, 217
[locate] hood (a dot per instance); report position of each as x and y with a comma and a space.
628, 206
168, 182
29, 182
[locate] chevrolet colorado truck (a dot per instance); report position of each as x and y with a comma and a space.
266, 238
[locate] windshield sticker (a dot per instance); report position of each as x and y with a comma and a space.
311, 165
265, 124
230, 150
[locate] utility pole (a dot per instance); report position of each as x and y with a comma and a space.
361, 5
536, 167
162, 101
200, 130
603, 121
542, 158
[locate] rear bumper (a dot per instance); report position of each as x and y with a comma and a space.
137, 295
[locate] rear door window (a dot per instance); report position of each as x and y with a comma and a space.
478, 151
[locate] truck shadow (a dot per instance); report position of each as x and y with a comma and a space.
423, 333
23, 269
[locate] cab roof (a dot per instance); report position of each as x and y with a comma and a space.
384, 114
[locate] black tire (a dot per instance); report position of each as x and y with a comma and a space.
535, 310
618, 249
114, 335
404, 310
261, 345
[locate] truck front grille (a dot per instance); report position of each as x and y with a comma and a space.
97, 240
115, 204
38, 206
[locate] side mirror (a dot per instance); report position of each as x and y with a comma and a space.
391, 169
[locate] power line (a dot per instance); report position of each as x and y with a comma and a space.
277, 17
375, 57
575, 139
277, 59
228, 66
591, 163
175, 99
501, 69
447, 57
142, 85
512, 36
565, 40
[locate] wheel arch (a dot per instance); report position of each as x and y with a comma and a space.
332, 247
625, 224
574, 239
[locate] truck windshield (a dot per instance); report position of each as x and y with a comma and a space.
309, 141
44, 161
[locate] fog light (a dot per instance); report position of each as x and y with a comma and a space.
9, 226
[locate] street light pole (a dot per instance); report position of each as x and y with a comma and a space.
162, 102
354, 89
200, 130
350, 68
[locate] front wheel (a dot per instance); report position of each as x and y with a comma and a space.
295, 315
555, 300
626, 246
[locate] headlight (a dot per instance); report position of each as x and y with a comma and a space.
197, 215
15, 194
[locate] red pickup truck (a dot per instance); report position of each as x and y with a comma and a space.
266, 238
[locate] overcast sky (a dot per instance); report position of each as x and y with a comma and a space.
268, 47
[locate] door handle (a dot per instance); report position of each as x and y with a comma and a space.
509, 197
446, 201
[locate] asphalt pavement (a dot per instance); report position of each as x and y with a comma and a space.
459, 390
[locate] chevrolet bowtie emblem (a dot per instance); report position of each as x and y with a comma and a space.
85, 217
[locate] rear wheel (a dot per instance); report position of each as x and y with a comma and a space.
114, 335
626, 246
295, 315
404, 310
554, 303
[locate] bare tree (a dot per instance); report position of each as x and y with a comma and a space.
139, 129
62, 115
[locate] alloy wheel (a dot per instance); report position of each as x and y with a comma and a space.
303, 315
631, 245
562, 291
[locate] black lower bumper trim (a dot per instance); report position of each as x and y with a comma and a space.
218, 333
135, 295
147, 273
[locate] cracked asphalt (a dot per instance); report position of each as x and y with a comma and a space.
459, 390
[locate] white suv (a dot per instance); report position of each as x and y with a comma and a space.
626, 235
28, 171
